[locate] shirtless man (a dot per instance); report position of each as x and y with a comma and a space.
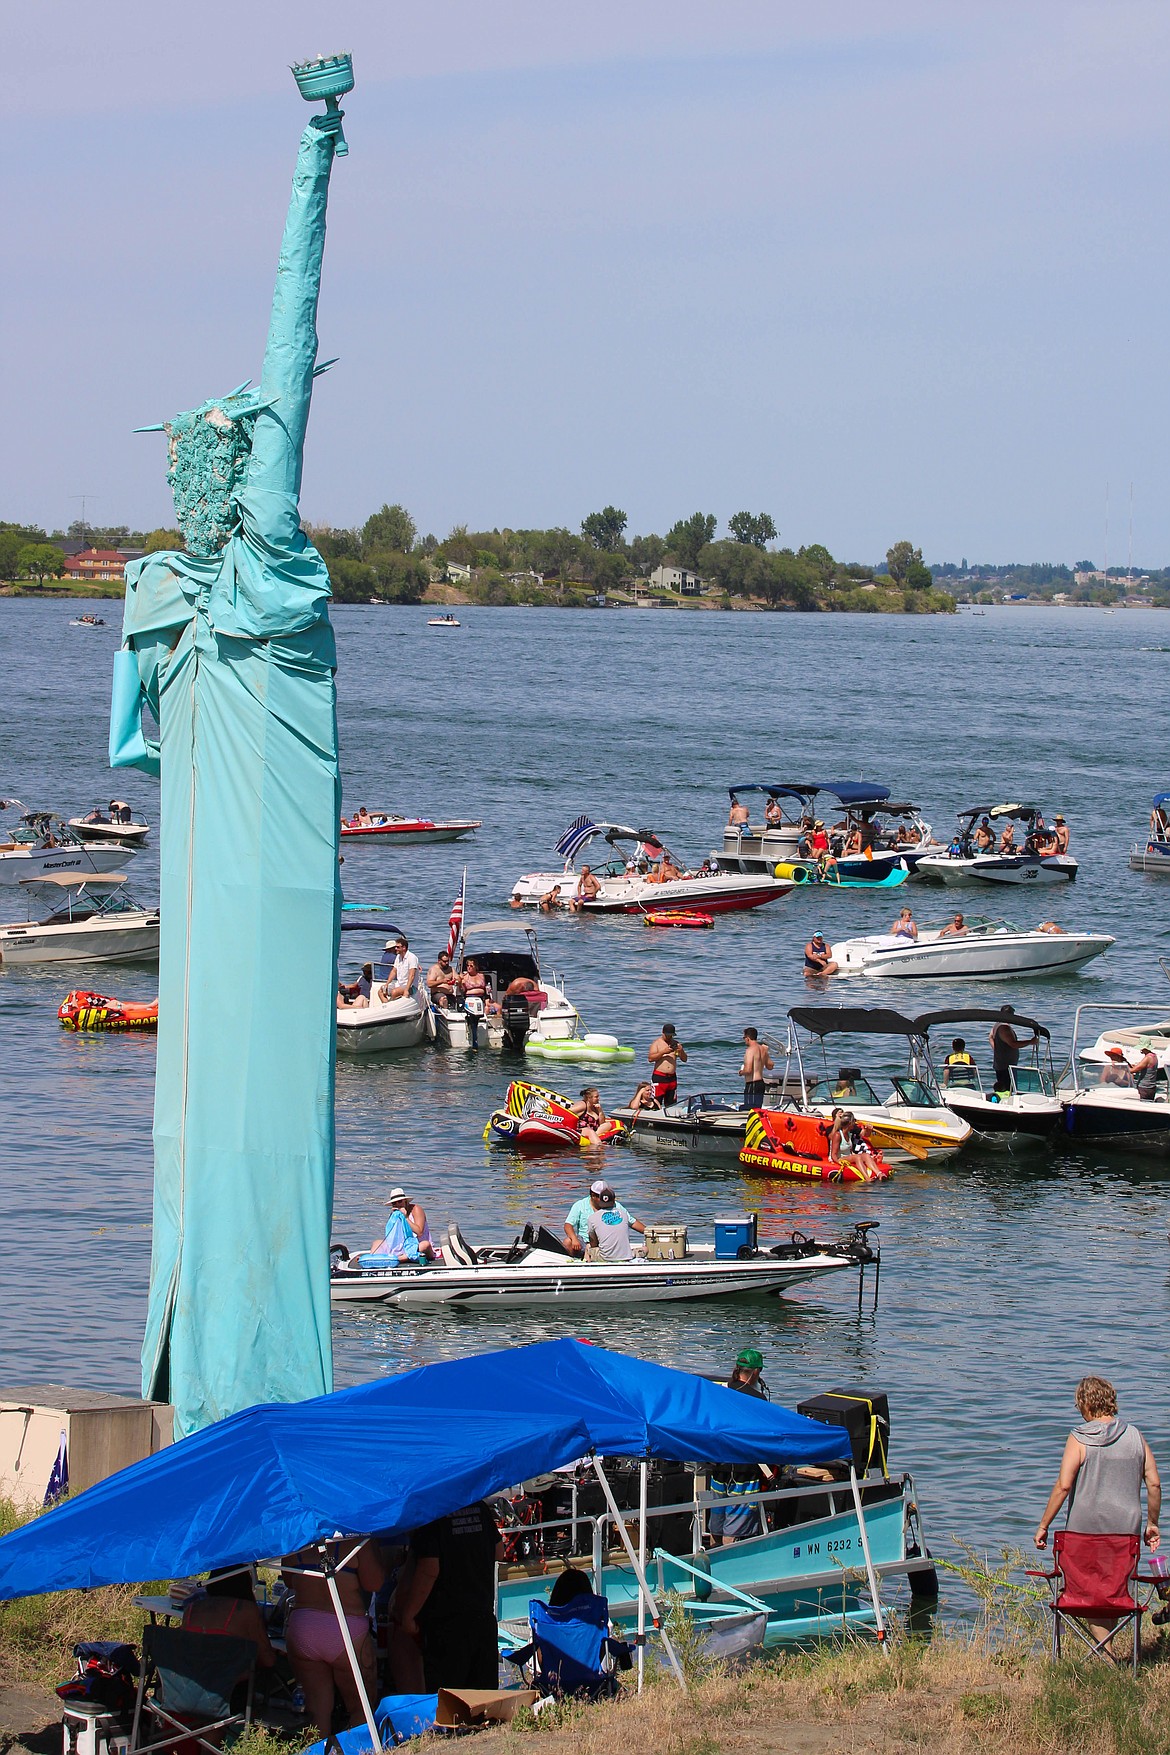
984, 837
739, 816
664, 1054
588, 889
1060, 834
956, 929
668, 871
757, 1060
442, 981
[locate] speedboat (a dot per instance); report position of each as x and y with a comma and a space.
713, 1123
962, 863
1155, 855
443, 621
380, 825
1106, 1111
507, 952
94, 921
386, 1024
43, 844
629, 884
118, 826
987, 947
913, 1121
88, 621
536, 1270
1029, 1109
876, 842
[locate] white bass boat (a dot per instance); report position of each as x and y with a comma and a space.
536, 1271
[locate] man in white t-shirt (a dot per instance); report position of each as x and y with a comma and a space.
403, 972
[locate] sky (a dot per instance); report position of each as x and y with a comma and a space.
884, 269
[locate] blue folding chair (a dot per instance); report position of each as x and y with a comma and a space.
572, 1651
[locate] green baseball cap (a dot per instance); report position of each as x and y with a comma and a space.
750, 1360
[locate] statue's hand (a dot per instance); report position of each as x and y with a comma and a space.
329, 123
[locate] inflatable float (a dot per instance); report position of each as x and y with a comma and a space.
594, 1048
686, 917
797, 1146
97, 1011
534, 1119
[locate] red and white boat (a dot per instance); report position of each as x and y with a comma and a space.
381, 825
632, 882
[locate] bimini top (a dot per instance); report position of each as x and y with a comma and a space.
582, 830
846, 792
1162, 798
387, 1457
976, 1014
853, 1020
1018, 811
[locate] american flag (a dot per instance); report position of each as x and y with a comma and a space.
456, 920
575, 836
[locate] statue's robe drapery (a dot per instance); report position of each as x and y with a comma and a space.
234, 655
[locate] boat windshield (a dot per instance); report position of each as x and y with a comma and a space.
847, 1087
714, 1101
916, 1093
1029, 1081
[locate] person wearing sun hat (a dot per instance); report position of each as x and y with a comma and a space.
407, 1236
1115, 1071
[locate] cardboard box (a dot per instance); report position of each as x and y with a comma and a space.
481, 1706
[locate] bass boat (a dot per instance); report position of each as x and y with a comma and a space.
985, 948
97, 1011
534, 1119
535, 1270
384, 826
639, 880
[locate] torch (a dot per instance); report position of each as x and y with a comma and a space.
328, 77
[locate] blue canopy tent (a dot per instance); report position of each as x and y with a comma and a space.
391, 1455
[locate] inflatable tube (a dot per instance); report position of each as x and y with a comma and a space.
534, 1119
779, 1143
678, 917
96, 1011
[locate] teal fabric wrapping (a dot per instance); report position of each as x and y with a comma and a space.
235, 657
129, 746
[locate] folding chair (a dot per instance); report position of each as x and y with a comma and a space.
1091, 1580
571, 1651
186, 1684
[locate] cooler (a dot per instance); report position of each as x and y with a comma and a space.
733, 1234
666, 1242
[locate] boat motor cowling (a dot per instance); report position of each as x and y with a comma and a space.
516, 1020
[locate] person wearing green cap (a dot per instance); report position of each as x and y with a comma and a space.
739, 1480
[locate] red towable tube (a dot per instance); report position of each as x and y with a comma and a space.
97, 1011
797, 1146
678, 917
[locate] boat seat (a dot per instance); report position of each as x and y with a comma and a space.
458, 1247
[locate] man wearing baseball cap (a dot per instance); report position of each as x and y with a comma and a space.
589, 1212
744, 1516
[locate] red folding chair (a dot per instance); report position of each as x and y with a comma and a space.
1092, 1579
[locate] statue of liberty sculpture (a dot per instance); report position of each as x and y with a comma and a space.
228, 644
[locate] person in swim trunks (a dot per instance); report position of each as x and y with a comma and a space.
664, 1054
756, 1061
316, 1649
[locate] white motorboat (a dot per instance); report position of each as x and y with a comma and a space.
385, 1024
986, 948
443, 621
631, 883
507, 952
1154, 857
913, 1122
94, 921
43, 844
1104, 1111
1024, 1106
119, 825
874, 840
964, 862
535, 1270
398, 831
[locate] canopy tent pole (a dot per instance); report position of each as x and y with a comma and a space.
330, 1573
639, 1571
869, 1567
643, 1475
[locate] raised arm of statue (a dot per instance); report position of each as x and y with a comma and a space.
269, 501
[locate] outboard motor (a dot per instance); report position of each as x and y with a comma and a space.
516, 1020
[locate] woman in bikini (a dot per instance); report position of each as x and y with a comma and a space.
316, 1648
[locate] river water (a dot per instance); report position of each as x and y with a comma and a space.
1005, 1277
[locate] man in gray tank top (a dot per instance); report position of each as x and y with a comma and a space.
1105, 1463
